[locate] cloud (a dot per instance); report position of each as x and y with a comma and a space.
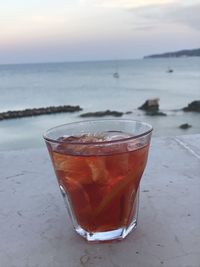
187, 15
144, 28
167, 14
150, 15
123, 3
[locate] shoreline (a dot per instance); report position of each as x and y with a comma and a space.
27, 132
149, 107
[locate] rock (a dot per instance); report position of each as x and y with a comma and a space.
102, 114
155, 113
150, 105
193, 106
128, 112
38, 111
185, 126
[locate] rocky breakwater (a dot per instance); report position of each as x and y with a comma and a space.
151, 106
102, 114
38, 111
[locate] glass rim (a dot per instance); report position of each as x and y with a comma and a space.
120, 140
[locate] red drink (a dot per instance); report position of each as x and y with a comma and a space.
99, 165
100, 188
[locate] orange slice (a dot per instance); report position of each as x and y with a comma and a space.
75, 168
116, 190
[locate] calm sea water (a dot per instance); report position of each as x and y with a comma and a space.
92, 86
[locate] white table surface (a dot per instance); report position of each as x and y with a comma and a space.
35, 230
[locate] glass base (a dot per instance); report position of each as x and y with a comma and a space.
117, 234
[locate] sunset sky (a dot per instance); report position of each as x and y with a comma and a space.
79, 30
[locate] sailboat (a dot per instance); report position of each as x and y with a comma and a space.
170, 70
116, 73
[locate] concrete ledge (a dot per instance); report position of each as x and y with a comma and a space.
36, 230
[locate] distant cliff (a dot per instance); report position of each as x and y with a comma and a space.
181, 53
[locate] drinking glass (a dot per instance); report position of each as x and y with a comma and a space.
99, 165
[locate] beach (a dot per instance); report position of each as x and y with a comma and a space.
91, 86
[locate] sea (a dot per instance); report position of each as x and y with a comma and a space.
92, 86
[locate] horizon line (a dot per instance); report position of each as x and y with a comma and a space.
94, 60
70, 61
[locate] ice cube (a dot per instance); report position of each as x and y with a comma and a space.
80, 145
90, 143
98, 169
116, 135
118, 164
83, 138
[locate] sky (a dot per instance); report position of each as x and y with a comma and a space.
82, 30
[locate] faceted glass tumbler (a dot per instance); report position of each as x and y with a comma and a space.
99, 165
